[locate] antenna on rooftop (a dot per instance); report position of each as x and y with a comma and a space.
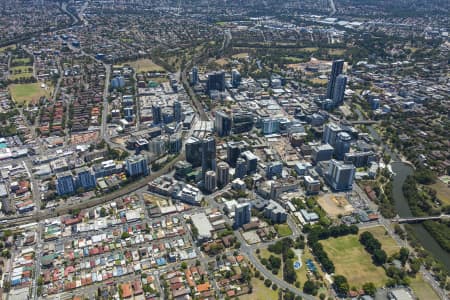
179, 8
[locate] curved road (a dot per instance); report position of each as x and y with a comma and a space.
248, 251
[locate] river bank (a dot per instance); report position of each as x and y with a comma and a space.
401, 171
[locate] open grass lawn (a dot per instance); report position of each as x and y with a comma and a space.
442, 192
24, 61
292, 59
260, 291
388, 244
336, 51
283, 230
144, 65
308, 49
422, 289
21, 72
240, 55
20, 75
351, 260
7, 48
25, 93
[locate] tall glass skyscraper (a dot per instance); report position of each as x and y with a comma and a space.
336, 70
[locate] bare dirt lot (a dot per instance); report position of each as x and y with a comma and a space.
335, 204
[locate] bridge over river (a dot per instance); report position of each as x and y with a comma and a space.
420, 219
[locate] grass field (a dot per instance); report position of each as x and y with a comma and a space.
336, 51
25, 93
351, 260
260, 291
443, 192
24, 61
144, 65
308, 49
10, 47
283, 230
422, 289
292, 59
388, 244
240, 55
20, 72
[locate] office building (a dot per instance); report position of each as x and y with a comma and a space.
156, 114
270, 126
222, 124
312, 186
208, 155
177, 112
242, 214
322, 153
330, 132
136, 165
274, 169
243, 121
210, 181
235, 78
336, 70
275, 212
374, 103
175, 143
65, 184
216, 81
339, 90
106, 168
182, 169
85, 178
342, 145
193, 148
194, 76
234, 149
241, 168
360, 159
157, 146
190, 194
340, 175
118, 82
167, 115
252, 161
223, 174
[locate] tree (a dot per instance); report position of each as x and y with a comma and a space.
369, 288
341, 285
184, 265
403, 255
379, 257
267, 282
310, 288
103, 212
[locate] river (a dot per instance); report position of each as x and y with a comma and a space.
402, 170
